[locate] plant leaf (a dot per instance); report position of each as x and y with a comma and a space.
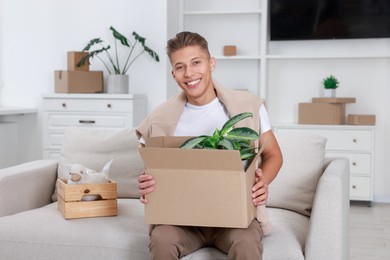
91, 55
139, 38
91, 43
247, 156
242, 133
232, 121
152, 53
119, 37
226, 144
192, 142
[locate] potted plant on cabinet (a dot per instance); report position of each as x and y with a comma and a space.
330, 84
118, 80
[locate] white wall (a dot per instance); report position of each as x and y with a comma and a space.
36, 35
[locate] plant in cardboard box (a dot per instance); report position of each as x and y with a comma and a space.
228, 138
118, 80
330, 84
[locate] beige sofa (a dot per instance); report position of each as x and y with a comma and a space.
308, 205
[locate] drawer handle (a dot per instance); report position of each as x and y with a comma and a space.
353, 186
109, 105
63, 104
354, 140
354, 163
87, 121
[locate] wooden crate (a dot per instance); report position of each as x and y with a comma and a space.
71, 205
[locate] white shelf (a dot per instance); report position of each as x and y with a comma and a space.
303, 57
222, 12
237, 57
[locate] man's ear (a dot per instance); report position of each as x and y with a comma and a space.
213, 63
173, 74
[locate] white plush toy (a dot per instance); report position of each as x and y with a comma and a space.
80, 174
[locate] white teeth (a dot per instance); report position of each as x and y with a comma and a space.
193, 82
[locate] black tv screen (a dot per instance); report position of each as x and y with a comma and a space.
329, 19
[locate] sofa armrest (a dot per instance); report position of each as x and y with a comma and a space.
328, 236
27, 186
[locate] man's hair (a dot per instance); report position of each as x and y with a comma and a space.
185, 39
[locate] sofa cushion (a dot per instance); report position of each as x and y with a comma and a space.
43, 233
95, 147
295, 185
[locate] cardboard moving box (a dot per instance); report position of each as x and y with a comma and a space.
324, 111
361, 119
197, 187
78, 81
74, 57
321, 113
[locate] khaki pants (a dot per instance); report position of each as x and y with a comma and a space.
173, 242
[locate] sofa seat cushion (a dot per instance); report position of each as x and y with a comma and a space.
43, 233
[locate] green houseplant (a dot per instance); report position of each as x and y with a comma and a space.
228, 138
330, 84
136, 49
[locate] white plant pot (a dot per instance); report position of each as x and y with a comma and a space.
330, 93
117, 84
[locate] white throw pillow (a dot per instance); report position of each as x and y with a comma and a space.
295, 185
95, 147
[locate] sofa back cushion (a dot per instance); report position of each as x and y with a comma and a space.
95, 147
295, 185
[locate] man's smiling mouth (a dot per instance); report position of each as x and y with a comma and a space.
192, 83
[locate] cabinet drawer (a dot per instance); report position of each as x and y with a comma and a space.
61, 121
358, 163
96, 105
340, 139
360, 188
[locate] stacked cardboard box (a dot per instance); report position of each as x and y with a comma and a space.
78, 79
324, 111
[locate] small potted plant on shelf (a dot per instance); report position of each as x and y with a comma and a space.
330, 84
118, 80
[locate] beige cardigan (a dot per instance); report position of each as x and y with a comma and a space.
163, 120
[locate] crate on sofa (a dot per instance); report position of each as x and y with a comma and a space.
71, 205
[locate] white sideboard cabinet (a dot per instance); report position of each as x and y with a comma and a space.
109, 111
353, 142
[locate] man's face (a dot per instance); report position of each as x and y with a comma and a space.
192, 68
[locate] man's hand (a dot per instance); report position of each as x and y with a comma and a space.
259, 190
145, 185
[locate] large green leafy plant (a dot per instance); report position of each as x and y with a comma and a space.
228, 138
113, 66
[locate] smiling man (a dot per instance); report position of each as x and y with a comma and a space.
201, 107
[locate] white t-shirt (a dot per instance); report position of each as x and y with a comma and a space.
203, 120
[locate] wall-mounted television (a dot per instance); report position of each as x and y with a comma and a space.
329, 19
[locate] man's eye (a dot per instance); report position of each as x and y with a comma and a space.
197, 62
179, 68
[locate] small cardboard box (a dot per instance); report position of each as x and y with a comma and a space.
334, 100
321, 113
361, 119
197, 187
74, 57
229, 50
78, 81
71, 205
